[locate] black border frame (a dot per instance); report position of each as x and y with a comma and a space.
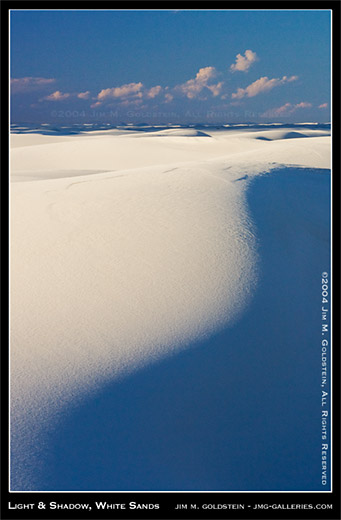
168, 501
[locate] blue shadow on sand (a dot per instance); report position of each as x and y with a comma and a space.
240, 412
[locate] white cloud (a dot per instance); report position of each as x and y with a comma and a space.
131, 102
263, 84
288, 108
243, 63
84, 95
124, 91
59, 96
134, 91
292, 78
168, 97
205, 74
324, 105
29, 83
153, 92
273, 112
193, 87
303, 104
216, 89
56, 96
282, 109
130, 94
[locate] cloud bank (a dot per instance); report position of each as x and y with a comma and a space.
137, 93
202, 87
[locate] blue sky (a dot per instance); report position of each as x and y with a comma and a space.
170, 66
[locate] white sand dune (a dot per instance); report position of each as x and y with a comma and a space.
125, 249
91, 151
